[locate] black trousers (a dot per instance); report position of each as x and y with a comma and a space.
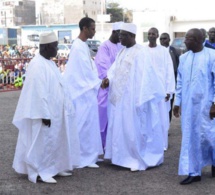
171, 107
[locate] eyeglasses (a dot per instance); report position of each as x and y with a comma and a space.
165, 38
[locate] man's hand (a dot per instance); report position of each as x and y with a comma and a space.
176, 111
105, 83
46, 122
212, 112
167, 97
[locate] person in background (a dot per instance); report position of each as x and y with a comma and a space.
195, 102
62, 66
18, 82
162, 62
105, 57
17, 53
165, 41
83, 83
211, 42
43, 149
204, 33
12, 76
5, 75
0, 66
6, 53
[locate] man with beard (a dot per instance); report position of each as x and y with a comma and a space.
42, 147
134, 137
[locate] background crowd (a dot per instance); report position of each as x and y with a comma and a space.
14, 62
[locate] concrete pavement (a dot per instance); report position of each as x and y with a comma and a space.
107, 180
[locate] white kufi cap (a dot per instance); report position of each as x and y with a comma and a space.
129, 27
48, 37
117, 25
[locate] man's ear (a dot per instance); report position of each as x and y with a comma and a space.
84, 28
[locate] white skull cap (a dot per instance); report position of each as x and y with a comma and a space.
129, 27
48, 37
117, 25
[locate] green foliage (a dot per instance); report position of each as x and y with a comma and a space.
113, 5
117, 13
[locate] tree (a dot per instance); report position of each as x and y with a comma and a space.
115, 12
118, 14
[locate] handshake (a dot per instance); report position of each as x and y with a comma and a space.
105, 83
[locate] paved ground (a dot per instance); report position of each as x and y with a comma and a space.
107, 180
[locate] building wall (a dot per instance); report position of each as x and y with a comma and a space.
52, 12
14, 13
25, 13
176, 24
69, 11
6, 16
38, 29
103, 31
92, 8
73, 11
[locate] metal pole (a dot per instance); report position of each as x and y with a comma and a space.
102, 27
5, 21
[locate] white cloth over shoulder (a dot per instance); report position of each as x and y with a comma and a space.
41, 150
81, 73
134, 138
82, 82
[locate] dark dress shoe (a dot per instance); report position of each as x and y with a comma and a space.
190, 179
213, 171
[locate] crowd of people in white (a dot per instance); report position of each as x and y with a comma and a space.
116, 107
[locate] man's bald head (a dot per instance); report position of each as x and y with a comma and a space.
194, 40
